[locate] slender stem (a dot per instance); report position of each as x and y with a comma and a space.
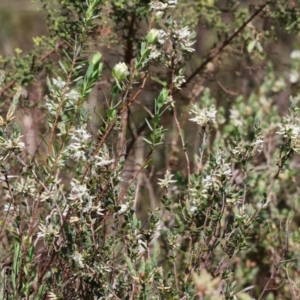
214, 54
42, 59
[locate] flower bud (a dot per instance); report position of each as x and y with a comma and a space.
96, 58
120, 71
152, 36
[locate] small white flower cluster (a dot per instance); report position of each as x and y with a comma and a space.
295, 54
214, 176
81, 136
185, 37
103, 159
120, 71
51, 106
258, 144
167, 180
28, 188
204, 116
242, 150
170, 101
78, 258
79, 192
71, 97
156, 39
290, 129
58, 82
182, 38
48, 232
80, 198
295, 59
81, 142
236, 118
160, 7
178, 81
10, 207
51, 296
223, 168
294, 76
9, 146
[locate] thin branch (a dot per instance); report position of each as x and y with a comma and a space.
212, 55
42, 59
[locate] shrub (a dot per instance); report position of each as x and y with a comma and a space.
144, 176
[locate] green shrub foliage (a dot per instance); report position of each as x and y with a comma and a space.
150, 150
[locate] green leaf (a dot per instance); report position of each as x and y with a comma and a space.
150, 127
147, 141
162, 98
63, 67
112, 112
156, 120
115, 91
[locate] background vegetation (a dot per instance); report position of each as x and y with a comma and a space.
149, 150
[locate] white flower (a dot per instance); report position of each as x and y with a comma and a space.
79, 155
14, 145
51, 296
185, 38
258, 144
162, 36
280, 84
49, 231
167, 180
73, 97
120, 71
123, 209
77, 150
81, 135
235, 117
8, 207
295, 54
51, 107
203, 116
290, 128
99, 210
170, 101
157, 5
210, 181
294, 76
223, 168
77, 257
159, 13
157, 230
58, 82
183, 33
172, 3
178, 81
78, 191
193, 209
101, 161
155, 53
160, 7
